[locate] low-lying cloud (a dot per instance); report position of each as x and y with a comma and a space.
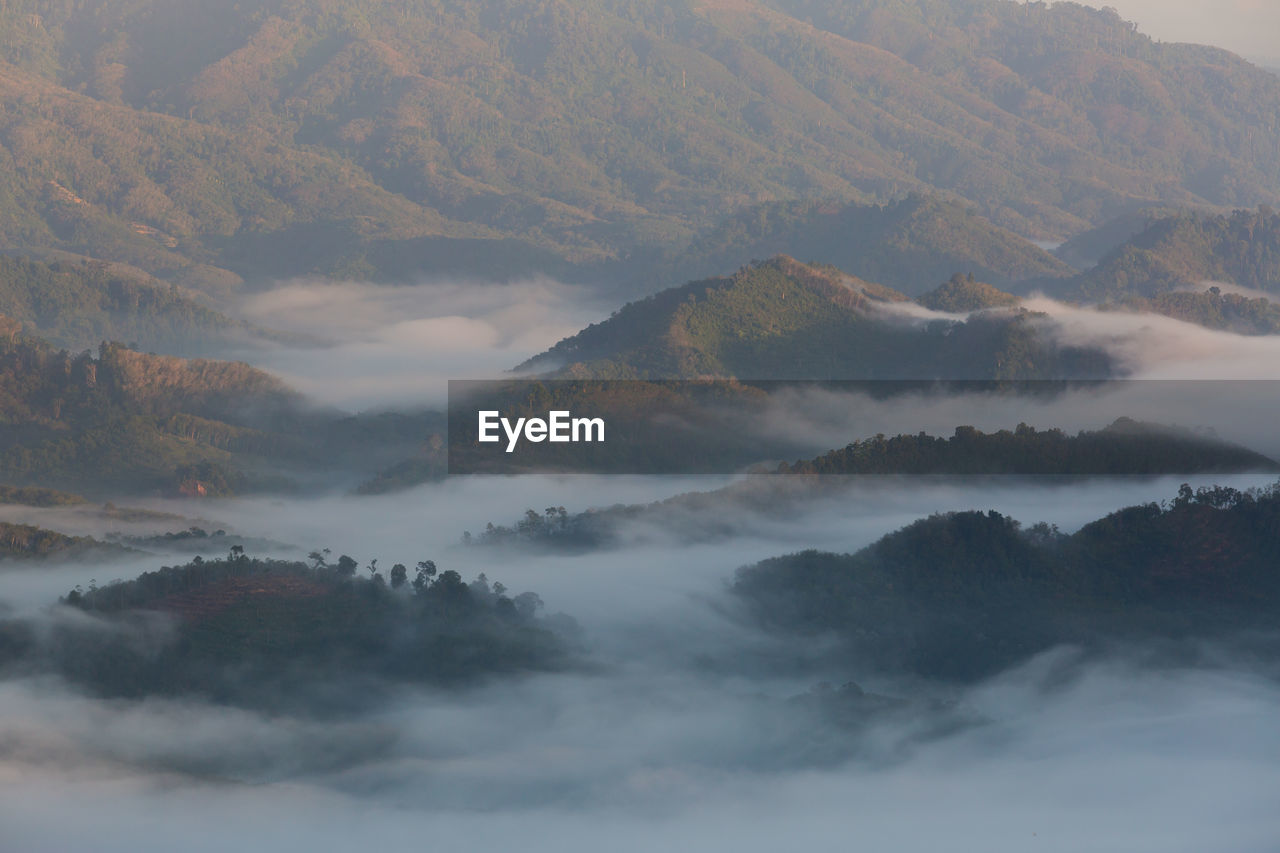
378, 345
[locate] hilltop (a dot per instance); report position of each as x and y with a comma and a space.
126, 419
279, 634
963, 595
28, 542
281, 137
962, 293
781, 319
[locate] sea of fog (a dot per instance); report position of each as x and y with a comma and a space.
679, 731
649, 746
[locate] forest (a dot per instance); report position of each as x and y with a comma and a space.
963, 595
291, 635
494, 136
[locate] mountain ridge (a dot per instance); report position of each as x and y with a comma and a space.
582, 133
776, 319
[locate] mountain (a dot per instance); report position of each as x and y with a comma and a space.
36, 496
962, 293
907, 245
963, 595
376, 139
781, 319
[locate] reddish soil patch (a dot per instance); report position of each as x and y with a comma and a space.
213, 598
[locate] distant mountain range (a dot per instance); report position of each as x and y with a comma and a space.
208, 142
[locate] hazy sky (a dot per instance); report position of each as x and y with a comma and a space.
1248, 27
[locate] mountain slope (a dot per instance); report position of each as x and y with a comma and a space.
781, 319
129, 421
907, 245
584, 131
1215, 270
79, 305
1178, 251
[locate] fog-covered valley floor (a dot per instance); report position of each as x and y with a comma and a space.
681, 729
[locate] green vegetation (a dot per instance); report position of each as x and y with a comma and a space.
280, 137
26, 541
963, 595
1184, 250
1168, 265
1213, 309
962, 294
1126, 447
76, 306
36, 496
115, 422
128, 422
193, 540
905, 245
278, 634
1086, 249
781, 319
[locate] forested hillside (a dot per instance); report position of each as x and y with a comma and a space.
274, 633
1186, 250
908, 245
962, 293
126, 422
129, 421
79, 305
781, 319
278, 137
1126, 447
965, 594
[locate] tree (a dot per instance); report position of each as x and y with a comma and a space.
426, 571
399, 575
346, 566
527, 604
